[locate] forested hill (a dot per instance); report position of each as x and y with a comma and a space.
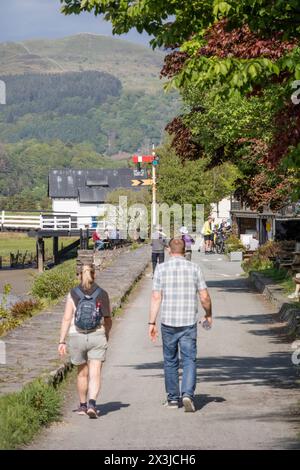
78, 107
135, 65
86, 101
68, 93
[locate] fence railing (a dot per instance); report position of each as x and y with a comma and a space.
20, 221
47, 221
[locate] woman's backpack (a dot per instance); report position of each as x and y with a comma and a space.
88, 312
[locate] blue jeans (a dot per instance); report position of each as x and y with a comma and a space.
183, 339
99, 245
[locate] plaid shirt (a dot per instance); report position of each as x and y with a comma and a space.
179, 281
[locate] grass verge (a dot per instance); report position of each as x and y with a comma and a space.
23, 414
11, 242
280, 276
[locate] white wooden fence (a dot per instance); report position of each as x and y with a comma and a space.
46, 221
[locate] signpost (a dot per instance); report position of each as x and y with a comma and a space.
154, 159
148, 182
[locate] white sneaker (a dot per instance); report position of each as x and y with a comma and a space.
171, 405
188, 404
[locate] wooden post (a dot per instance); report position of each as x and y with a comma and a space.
40, 248
81, 239
55, 250
87, 238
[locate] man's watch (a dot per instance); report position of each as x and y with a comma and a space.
150, 323
62, 342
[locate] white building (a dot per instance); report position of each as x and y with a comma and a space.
221, 210
83, 192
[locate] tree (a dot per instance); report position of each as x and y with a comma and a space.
136, 212
190, 182
228, 50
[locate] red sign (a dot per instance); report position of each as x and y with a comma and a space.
143, 158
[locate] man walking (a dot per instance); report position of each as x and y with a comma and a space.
177, 284
159, 243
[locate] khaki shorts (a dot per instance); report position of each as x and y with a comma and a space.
86, 347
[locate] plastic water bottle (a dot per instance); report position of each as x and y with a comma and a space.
206, 325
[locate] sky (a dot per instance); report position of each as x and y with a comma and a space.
30, 19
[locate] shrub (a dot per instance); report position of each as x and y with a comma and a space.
55, 282
23, 413
25, 308
233, 243
256, 263
44, 399
260, 260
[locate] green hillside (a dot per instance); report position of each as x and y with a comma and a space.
84, 101
136, 66
77, 107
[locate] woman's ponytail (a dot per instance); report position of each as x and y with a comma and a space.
87, 276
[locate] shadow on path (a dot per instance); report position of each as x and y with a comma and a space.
238, 286
275, 329
275, 370
202, 400
110, 407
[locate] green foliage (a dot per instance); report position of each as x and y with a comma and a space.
122, 124
222, 122
233, 243
135, 65
142, 196
11, 317
25, 167
191, 182
191, 16
262, 258
231, 76
22, 414
68, 93
56, 282
14, 242
70, 120
256, 263
230, 50
280, 276
4, 311
149, 16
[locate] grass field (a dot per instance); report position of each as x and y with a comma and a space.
12, 242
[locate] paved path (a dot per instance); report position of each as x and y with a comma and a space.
245, 381
31, 349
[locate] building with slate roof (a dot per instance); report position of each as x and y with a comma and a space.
83, 192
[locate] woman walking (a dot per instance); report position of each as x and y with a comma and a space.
87, 323
188, 242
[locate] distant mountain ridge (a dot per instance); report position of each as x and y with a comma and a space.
137, 66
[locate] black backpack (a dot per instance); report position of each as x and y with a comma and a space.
88, 314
